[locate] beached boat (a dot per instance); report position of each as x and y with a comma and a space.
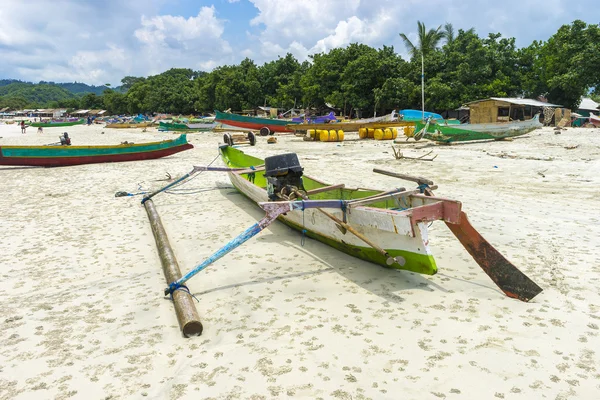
446, 133
595, 120
419, 115
266, 126
386, 228
58, 156
315, 119
56, 124
185, 127
125, 125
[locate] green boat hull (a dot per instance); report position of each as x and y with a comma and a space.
415, 262
56, 124
58, 156
241, 121
468, 132
179, 127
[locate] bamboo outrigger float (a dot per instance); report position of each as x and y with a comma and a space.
386, 228
187, 316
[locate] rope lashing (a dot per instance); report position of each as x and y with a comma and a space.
343, 207
422, 187
173, 287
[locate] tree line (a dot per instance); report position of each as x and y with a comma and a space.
358, 79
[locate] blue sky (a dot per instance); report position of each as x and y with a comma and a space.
101, 41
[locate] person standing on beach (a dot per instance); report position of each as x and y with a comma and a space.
23, 127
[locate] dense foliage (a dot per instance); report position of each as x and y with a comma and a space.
358, 79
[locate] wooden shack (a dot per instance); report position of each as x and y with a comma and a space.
504, 109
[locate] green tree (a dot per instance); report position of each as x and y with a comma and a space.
428, 40
568, 63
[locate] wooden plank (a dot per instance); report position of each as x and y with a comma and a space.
505, 275
418, 179
350, 126
451, 208
384, 196
325, 189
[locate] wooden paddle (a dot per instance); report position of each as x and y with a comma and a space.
505, 275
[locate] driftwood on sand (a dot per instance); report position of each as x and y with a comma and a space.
398, 155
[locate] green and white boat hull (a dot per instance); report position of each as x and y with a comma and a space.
396, 232
466, 132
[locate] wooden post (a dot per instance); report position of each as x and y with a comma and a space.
187, 316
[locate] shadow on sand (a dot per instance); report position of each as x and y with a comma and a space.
383, 282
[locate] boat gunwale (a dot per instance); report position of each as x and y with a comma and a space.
115, 146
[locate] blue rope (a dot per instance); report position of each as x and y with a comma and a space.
422, 187
174, 287
343, 207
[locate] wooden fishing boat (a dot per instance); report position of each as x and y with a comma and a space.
57, 123
595, 120
58, 156
386, 228
397, 234
441, 132
185, 127
350, 126
265, 125
125, 125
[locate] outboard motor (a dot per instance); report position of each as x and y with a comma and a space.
65, 140
284, 177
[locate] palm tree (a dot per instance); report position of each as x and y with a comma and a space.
449, 33
428, 40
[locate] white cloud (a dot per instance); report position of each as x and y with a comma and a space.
174, 41
99, 42
102, 41
310, 26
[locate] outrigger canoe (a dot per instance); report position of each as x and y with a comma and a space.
266, 125
58, 156
57, 123
446, 133
185, 127
386, 228
126, 125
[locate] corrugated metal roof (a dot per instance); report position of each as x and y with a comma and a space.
588, 104
522, 102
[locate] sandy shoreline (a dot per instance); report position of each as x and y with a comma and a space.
83, 315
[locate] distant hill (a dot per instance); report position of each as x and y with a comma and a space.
35, 93
76, 88
79, 88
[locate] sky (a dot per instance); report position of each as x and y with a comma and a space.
101, 41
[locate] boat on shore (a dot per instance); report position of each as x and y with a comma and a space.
266, 126
446, 133
185, 127
57, 123
59, 156
595, 120
125, 125
389, 228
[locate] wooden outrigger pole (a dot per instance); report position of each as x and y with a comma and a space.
187, 316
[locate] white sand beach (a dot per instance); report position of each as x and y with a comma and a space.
83, 315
